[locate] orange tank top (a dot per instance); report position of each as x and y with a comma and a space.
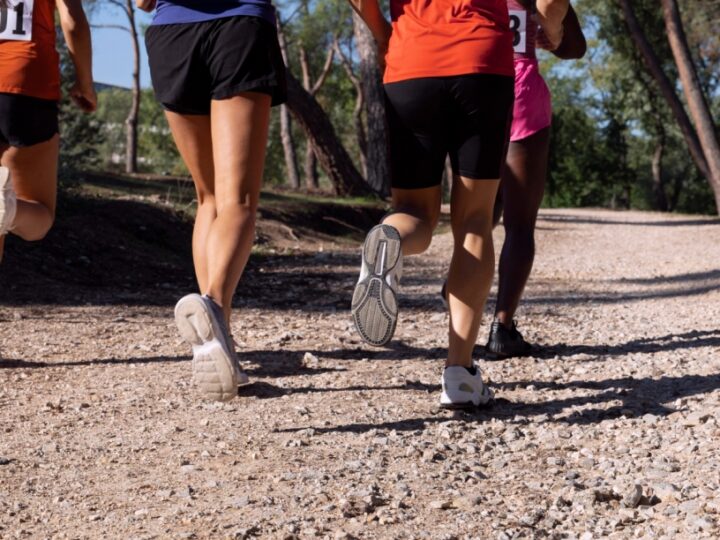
29, 62
441, 38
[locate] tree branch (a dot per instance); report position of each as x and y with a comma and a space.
326, 69
304, 67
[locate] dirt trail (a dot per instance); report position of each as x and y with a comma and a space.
610, 432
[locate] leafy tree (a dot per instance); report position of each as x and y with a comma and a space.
81, 134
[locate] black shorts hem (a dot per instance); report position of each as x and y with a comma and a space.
179, 108
473, 175
27, 143
414, 185
266, 85
27, 121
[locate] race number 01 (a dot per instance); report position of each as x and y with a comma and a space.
23, 20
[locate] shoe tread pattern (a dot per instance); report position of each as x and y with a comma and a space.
213, 371
374, 303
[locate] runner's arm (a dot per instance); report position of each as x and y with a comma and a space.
380, 28
76, 29
573, 45
551, 14
146, 5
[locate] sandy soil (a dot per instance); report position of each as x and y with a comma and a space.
610, 431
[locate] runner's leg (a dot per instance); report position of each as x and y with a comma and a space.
472, 264
416, 215
523, 185
3, 148
194, 141
239, 133
34, 178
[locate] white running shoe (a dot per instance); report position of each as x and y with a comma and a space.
374, 302
8, 201
461, 389
216, 369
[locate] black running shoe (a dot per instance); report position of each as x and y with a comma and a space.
506, 342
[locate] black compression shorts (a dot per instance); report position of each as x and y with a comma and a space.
194, 63
467, 117
26, 121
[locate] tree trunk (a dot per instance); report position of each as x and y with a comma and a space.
697, 103
131, 123
358, 110
378, 169
288, 144
291, 164
311, 175
661, 202
666, 87
312, 181
332, 156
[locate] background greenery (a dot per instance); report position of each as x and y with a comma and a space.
608, 115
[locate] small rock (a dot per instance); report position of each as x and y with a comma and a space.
696, 418
430, 455
666, 491
466, 503
310, 360
441, 505
631, 497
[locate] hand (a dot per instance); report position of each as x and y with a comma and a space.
84, 97
549, 42
146, 5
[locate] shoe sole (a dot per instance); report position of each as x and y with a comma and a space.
498, 355
485, 399
5, 190
374, 303
213, 370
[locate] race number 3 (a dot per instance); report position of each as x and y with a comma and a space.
518, 25
16, 20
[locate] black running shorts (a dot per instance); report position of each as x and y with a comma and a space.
467, 117
194, 63
26, 121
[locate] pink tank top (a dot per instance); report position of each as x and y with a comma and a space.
524, 28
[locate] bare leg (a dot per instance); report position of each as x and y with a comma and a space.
3, 148
416, 215
239, 133
34, 178
194, 141
523, 185
472, 265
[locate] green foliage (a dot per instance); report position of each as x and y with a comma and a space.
81, 136
156, 150
610, 118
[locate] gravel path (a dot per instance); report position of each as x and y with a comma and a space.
612, 431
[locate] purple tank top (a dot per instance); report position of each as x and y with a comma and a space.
524, 28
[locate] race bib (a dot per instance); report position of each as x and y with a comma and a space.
16, 20
518, 25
